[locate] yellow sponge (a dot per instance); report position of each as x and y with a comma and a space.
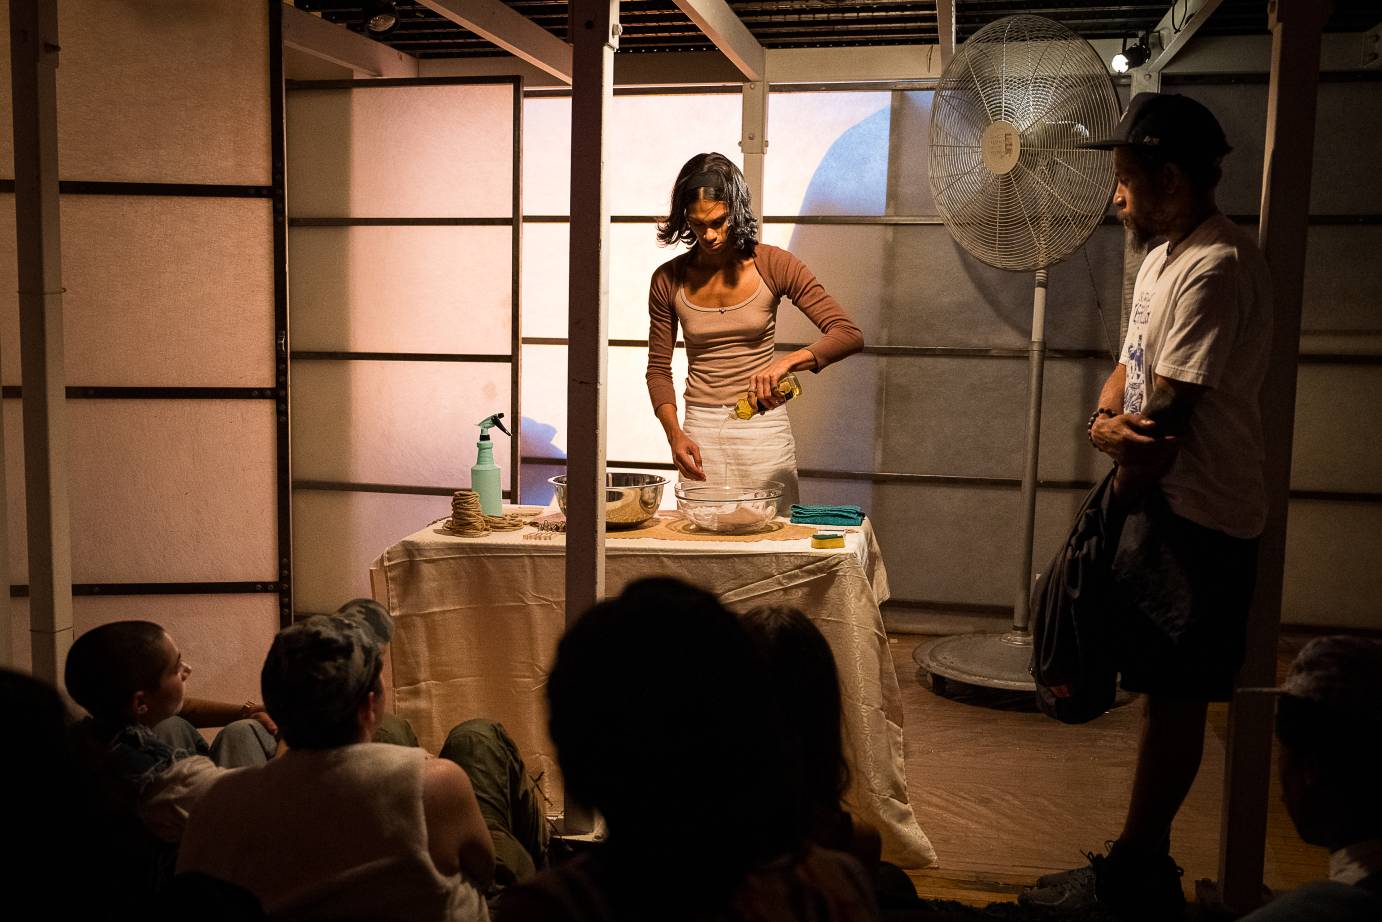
827, 539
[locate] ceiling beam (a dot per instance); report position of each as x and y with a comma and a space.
1193, 14
337, 44
945, 29
730, 35
497, 22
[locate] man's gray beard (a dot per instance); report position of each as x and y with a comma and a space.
1141, 237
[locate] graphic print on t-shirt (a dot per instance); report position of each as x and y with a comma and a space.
1134, 354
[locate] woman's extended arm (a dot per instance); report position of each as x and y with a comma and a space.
662, 339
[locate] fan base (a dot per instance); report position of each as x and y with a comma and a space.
987, 660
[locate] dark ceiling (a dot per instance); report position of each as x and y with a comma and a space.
657, 25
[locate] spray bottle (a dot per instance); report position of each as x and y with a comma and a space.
484, 473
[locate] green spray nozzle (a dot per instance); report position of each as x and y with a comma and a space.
489, 421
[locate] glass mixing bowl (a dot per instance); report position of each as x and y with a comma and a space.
729, 508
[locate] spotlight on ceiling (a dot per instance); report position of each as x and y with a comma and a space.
1134, 55
381, 17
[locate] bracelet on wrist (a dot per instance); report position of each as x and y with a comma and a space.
1094, 418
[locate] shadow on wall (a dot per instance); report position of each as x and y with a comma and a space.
536, 441
838, 423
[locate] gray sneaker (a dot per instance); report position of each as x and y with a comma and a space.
1067, 891
1142, 890
1076, 874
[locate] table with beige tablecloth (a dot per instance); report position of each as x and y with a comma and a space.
477, 622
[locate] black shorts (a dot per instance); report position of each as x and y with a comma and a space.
1181, 597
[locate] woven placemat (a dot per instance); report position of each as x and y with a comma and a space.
675, 528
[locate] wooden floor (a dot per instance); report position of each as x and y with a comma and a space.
1006, 794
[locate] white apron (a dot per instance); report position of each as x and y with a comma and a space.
761, 448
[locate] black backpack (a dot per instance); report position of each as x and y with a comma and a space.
1072, 639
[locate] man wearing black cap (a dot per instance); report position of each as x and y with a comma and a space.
1329, 725
1179, 417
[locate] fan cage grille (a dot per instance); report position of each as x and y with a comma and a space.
1052, 88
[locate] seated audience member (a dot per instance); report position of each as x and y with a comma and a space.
45, 801
338, 827
392, 728
663, 723
144, 761
509, 800
1329, 725
806, 687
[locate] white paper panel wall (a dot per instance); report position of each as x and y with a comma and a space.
1346, 144
827, 154
1343, 279
417, 152
160, 490
401, 289
337, 535
547, 156
395, 422
650, 138
633, 432
143, 84
968, 417
634, 255
914, 286
1327, 453
158, 291
1333, 577
223, 637
546, 280
957, 543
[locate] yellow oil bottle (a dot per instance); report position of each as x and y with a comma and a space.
748, 406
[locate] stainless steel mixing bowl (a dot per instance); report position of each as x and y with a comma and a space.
729, 508
630, 499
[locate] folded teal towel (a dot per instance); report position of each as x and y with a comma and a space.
827, 515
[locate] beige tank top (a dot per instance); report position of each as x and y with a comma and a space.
329, 834
725, 346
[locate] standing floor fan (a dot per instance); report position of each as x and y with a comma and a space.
1017, 193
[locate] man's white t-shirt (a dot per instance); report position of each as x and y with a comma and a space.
1204, 316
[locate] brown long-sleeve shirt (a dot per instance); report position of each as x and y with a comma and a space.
725, 347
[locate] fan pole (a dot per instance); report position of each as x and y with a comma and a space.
1036, 367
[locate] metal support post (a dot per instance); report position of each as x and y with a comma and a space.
1296, 29
596, 34
33, 67
753, 139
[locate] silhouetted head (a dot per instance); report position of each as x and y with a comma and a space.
663, 723
1329, 723
801, 671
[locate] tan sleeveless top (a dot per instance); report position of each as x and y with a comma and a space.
725, 346
733, 361
328, 834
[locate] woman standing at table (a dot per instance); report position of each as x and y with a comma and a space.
724, 292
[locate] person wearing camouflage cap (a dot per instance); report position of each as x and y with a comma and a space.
1329, 725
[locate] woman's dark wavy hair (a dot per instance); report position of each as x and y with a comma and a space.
728, 186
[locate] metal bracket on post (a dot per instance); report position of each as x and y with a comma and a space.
753, 140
